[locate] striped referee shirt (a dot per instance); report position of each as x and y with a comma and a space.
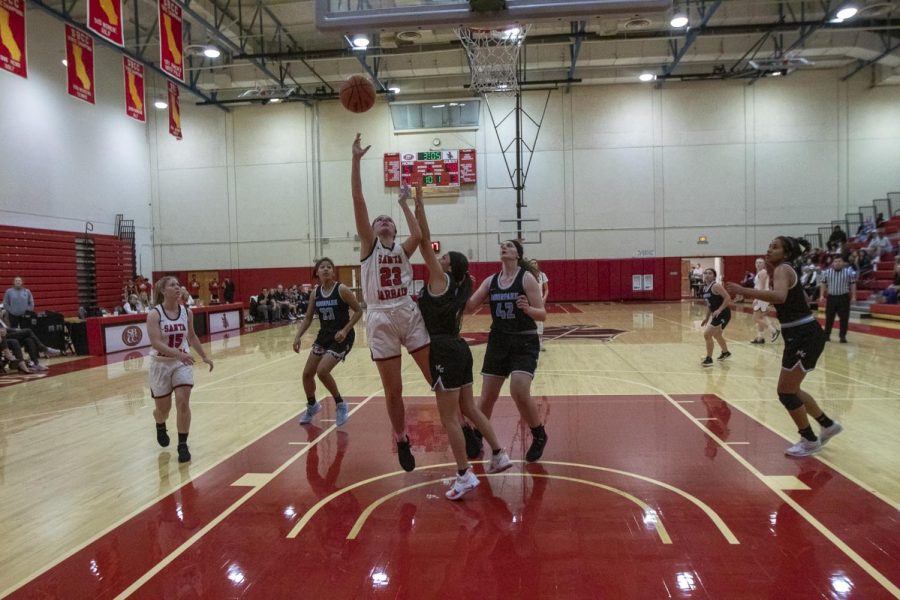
839, 281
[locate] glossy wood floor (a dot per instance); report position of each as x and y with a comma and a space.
79, 461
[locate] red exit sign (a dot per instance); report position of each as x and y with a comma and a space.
436, 246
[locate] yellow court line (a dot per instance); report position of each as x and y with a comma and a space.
815, 523
660, 528
227, 512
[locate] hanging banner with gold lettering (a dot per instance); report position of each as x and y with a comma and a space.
174, 110
134, 89
12, 37
80, 63
104, 17
171, 44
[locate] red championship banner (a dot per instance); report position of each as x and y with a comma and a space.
12, 37
134, 89
174, 110
80, 63
104, 17
171, 44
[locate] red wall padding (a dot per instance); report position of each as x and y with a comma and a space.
45, 259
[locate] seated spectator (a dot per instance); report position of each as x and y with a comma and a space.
861, 263
145, 300
303, 301
133, 306
186, 298
837, 240
11, 352
810, 281
879, 221
283, 308
878, 245
865, 228
891, 292
31, 342
265, 309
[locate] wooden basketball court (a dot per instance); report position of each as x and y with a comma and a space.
660, 478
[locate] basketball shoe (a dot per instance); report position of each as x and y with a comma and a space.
340, 413
463, 485
499, 462
804, 448
829, 432
405, 455
309, 413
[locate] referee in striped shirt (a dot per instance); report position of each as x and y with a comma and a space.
839, 286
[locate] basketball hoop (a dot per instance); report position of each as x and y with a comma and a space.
493, 58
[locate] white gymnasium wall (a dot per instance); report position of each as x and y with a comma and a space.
64, 161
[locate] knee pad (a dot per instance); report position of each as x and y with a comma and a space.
790, 401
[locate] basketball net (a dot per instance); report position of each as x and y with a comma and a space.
493, 58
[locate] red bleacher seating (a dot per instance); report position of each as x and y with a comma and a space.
885, 311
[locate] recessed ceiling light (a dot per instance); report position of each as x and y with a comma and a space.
646, 76
360, 41
65, 62
394, 90
274, 100
679, 20
212, 52
848, 12
160, 104
438, 105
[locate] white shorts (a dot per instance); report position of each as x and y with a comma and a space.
166, 374
540, 327
760, 305
387, 330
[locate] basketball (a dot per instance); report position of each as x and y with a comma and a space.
358, 94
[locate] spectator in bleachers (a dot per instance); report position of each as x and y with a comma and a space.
143, 287
837, 240
861, 263
133, 306
865, 228
809, 279
195, 288
878, 245
265, 310
303, 301
879, 221
186, 298
228, 290
283, 308
214, 291
18, 303
890, 293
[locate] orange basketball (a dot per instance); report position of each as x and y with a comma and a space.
358, 94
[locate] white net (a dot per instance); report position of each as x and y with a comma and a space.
493, 57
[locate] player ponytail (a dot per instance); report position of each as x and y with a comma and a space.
462, 285
159, 289
794, 249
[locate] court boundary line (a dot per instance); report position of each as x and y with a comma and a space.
836, 541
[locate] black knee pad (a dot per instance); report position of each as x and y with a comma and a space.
790, 401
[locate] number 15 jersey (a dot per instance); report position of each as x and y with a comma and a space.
387, 277
174, 331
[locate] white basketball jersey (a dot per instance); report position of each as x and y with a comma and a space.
760, 282
386, 277
174, 331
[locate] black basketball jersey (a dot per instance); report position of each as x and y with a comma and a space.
334, 313
796, 305
713, 299
438, 312
506, 316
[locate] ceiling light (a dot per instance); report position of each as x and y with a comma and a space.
274, 100
438, 105
646, 77
65, 62
848, 12
679, 20
212, 52
160, 104
394, 90
360, 41
777, 73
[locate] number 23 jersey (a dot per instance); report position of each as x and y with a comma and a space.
387, 277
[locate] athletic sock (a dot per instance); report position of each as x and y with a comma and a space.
461, 472
338, 399
310, 400
497, 451
824, 421
807, 434
182, 438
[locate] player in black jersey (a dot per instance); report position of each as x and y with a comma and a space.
718, 316
513, 345
332, 302
804, 341
442, 302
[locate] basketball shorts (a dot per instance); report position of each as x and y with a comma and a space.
388, 330
511, 353
722, 320
166, 374
451, 363
760, 305
540, 327
803, 345
325, 342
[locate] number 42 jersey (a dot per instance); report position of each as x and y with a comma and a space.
387, 277
506, 316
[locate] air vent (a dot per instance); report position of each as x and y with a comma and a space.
779, 64
639, 23
408, 37
876, 9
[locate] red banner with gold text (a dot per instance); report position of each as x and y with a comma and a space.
134, 89
104, 17
174, 110
12, 37
80, 63
171, 44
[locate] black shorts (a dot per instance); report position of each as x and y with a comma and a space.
509, 353
722, 320
325, 342
803, 344
451, 363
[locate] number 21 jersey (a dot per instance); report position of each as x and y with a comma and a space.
386, 277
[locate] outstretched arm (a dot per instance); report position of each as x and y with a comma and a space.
479, 296
360, 211
437, 280
781, 283
415, 233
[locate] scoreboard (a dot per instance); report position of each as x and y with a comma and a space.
437, 168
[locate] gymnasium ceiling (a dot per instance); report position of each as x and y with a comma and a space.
273, 49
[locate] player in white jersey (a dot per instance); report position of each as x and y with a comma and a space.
170, 326
393, 318
763, 322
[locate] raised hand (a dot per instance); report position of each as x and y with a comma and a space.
358, 150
